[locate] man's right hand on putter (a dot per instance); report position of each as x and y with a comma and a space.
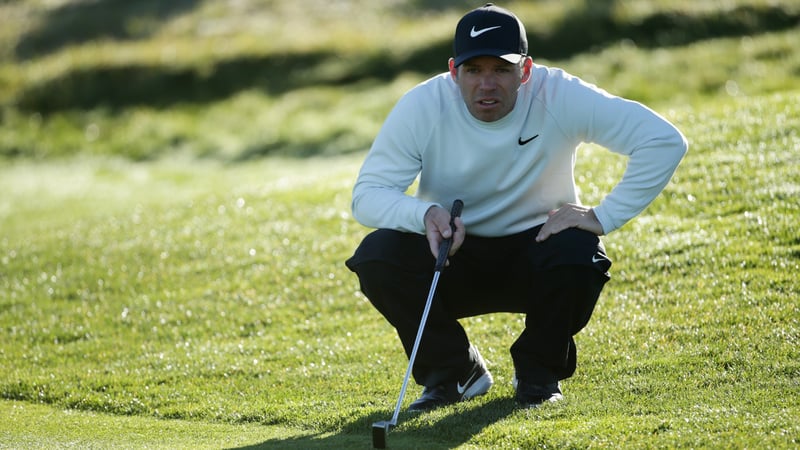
437, 229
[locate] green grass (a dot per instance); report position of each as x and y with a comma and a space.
163, 285
216, 294
45, 427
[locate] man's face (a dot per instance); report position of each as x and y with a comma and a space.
489, 85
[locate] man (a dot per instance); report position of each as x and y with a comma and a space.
500, 133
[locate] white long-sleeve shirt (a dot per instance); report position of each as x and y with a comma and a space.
510, 172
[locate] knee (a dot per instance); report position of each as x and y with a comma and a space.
579, 278
392, 247
582, 286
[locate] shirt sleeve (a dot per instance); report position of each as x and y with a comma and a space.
380, 198
653, 145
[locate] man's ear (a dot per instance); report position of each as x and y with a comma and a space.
453, 69
527, 68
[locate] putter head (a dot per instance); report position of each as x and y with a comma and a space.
380, 431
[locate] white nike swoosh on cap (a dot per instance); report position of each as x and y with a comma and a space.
475, 33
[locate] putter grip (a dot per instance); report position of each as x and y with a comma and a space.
444, 247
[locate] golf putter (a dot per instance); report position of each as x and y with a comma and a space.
380, 430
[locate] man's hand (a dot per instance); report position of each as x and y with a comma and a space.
437, 229
570, 216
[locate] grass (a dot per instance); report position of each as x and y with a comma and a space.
162, 285
49, 428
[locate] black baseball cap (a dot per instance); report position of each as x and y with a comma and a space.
490, 31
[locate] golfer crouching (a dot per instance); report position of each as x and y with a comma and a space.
499, 132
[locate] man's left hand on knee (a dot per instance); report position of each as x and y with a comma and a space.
570, 216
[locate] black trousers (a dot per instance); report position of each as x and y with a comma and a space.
556, 283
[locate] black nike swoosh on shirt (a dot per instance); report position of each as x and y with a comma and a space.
523, 142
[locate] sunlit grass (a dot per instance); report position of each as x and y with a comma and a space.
735, 67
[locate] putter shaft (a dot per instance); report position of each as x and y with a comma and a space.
413, 356
381, 429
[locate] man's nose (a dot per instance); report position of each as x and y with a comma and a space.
488, 82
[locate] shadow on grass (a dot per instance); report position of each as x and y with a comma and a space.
162, 86
451, 431
80, 22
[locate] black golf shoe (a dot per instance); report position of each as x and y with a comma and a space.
476, 382
531, 395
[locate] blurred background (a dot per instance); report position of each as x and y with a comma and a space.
236, 80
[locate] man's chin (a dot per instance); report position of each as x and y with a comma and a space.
488, 113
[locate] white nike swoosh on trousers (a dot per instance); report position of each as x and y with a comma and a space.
475, 33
